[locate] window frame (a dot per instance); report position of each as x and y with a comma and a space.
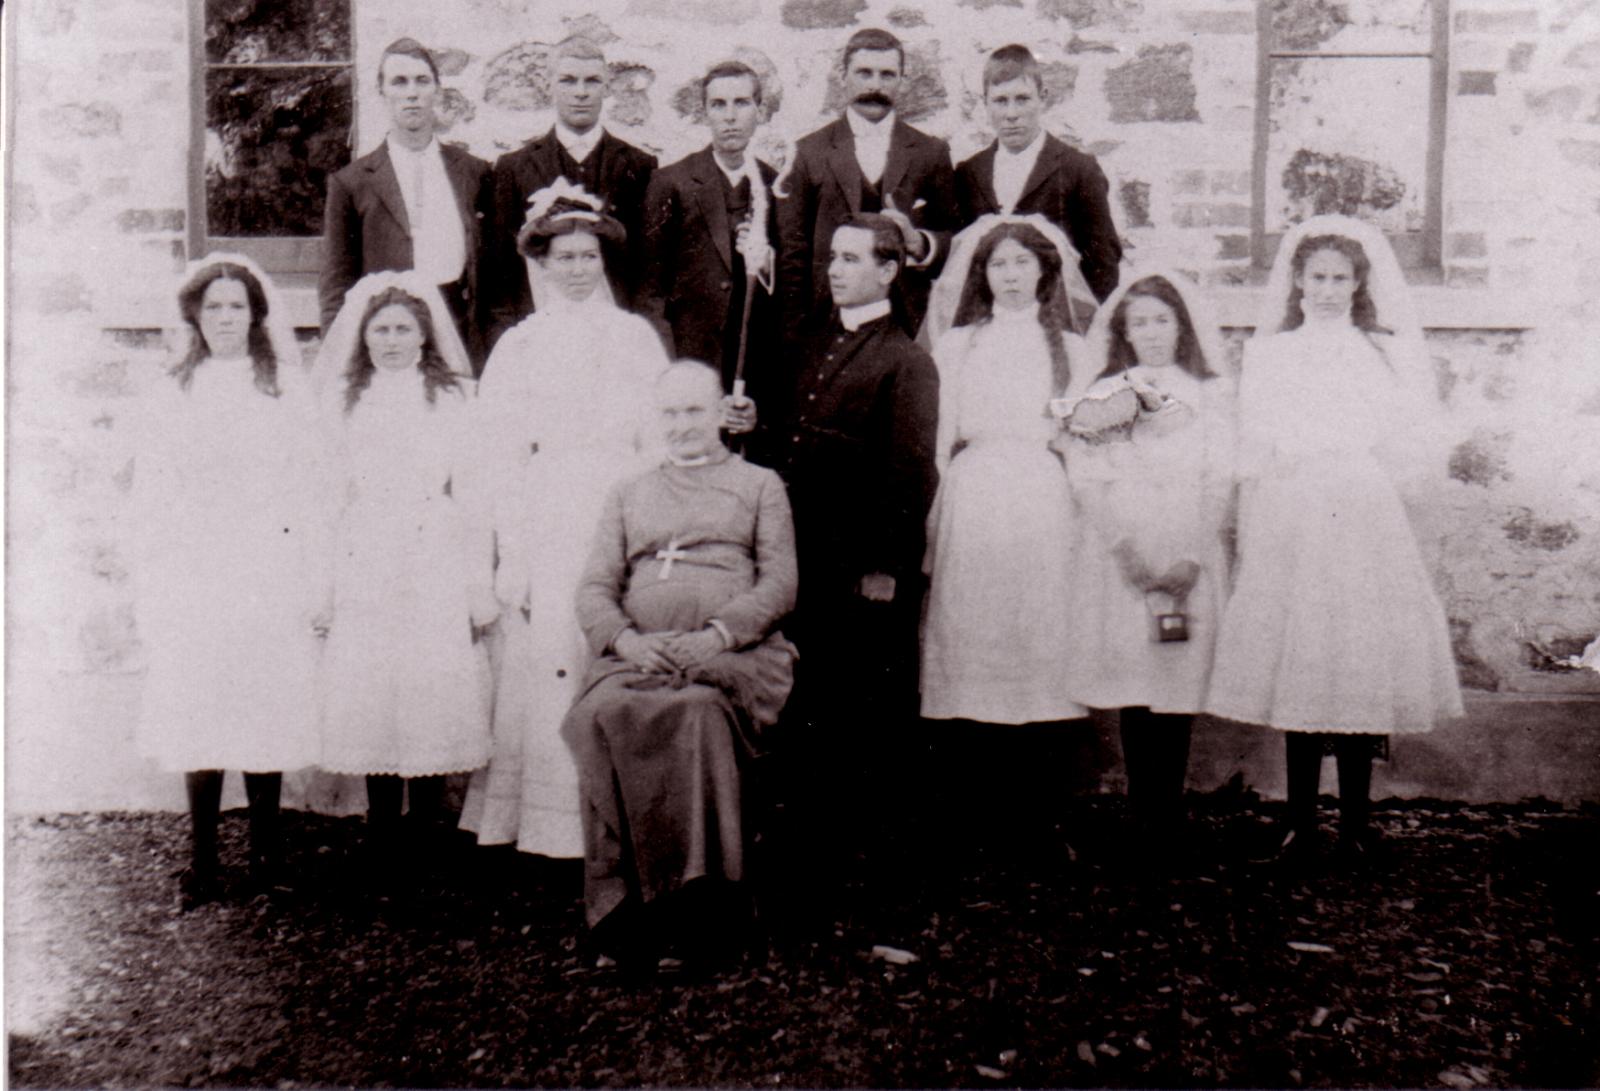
292, 260
1419, 253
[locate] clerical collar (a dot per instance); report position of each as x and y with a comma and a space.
863, 129
579, 145
853, 318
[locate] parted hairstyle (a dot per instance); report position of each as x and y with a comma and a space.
568, 217
1055, 313
1363, 313
263, 360
888, 245
876, 40
407, 47
1011, 62
730, 70
1187, 355
436, 374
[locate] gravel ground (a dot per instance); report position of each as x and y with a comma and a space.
1468, 959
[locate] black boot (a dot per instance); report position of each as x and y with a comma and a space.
263, 793
1303, 757
384, 796
1357, 843
200, 882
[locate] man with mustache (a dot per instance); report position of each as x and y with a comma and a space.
414, 203
1026, 170
866, 161
701, 236
580, 149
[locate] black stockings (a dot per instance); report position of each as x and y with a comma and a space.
1303, 751
262, 793
1155, 753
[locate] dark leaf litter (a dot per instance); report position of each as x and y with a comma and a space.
1467, 959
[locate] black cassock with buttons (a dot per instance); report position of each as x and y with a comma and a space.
854, 444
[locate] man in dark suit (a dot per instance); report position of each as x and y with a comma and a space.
1028, 170
414, 203
579, 149
854, 443
701, 240
866, 161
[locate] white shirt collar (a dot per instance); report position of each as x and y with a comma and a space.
579, 145
397, 148
734, 177
853, 318
1030, 152
862, 129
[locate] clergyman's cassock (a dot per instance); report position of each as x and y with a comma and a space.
659, 755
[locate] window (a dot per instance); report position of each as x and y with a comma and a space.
271, 108
1350, 118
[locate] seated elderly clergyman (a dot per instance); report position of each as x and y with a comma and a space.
691, 567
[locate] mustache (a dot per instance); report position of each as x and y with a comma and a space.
874, 98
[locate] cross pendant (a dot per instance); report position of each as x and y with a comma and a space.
673, 552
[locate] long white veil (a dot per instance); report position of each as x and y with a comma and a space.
182, 337
1386, 285
339, 346
1206, 331
945, 298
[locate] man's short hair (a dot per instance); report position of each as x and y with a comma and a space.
888, 245
407, 47
874, 39
1012, 62
730, 70
579, 48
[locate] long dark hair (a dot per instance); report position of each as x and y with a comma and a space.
1186, 354
1363, 314
263, 360
436, 374
1055, 314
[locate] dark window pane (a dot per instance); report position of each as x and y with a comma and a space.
1353, 26
252, 31
272, 137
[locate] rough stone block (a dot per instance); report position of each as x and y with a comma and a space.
1467, 276
820, 14
1189, 182
86, 119
1135, 198
1233, 247
144, 221
1122, 14
1558, 102
1466, 244
1218, 22
1525, 529
1307, 24
984, 5
1520, 57
1522, 21
1481, 459
712, 12
1475, 83
906, 18
1209, 215
1157, 85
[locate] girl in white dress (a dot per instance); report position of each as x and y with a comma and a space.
566, 398
406, 677
996, 619
1334, 634
1150, 466
231, 559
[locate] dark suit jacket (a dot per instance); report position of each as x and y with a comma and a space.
854, 443
365, 229
688, 286
1069, 189
623, 173
825, 188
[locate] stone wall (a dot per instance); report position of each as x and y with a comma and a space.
1163, 91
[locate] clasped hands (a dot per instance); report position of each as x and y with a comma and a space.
670, 652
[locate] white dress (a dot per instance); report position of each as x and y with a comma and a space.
406, 689
1165, 491
231, 552
1333, 624
995, 627
566, 396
